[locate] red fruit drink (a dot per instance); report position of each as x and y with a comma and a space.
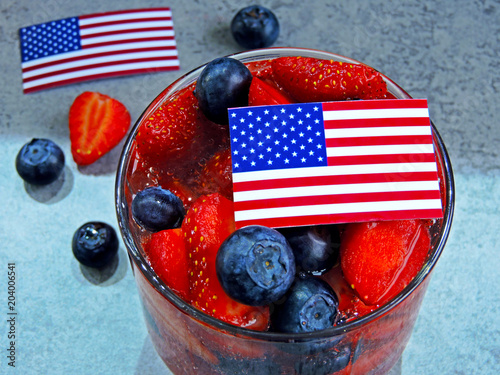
375, 329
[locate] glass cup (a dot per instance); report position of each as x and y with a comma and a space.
190, 341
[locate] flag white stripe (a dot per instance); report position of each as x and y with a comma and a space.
107, 69
97, 60
126, 36
125, 26
125, 16
307, 191
378, 131
94, 50
380, 150
337, 170
356, 114
339, 208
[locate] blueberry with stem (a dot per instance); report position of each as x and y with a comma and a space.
310, 305
255, 265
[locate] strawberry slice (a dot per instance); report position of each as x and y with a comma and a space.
216, 174
167, 255
313, 80
262, 93
206, 225
170, 129
97, 123
379, 259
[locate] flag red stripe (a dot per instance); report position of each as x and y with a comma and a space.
374, 104
137, 40
336, 199
376, 141
99, 76
333, 180
124, 21
381, 159
100, 65
100, 54
377, 122
127, 11
118, 32
343, 218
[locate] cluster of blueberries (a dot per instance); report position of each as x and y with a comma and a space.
258, 266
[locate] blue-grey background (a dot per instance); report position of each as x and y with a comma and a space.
72, 321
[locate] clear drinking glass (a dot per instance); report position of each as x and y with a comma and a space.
190, 341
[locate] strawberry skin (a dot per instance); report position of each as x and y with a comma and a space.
170, 129
313, 80
206, 225
379, 259
167, 255
216, 174
262, 93
97, 123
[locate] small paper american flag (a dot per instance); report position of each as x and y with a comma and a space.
97, 46
335, 162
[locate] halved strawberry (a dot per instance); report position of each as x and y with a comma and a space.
313, 80
206, 225
216, 174
262, 93
97, 123
168, 257
379, 259
170, 129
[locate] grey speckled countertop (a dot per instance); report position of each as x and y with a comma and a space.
71, 321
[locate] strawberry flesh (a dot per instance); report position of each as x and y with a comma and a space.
263, 93
97, 123
168, 257
379, 259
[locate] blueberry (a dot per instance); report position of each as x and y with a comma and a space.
255, 27
223, 83
316, 248
40, 161
95, 244
156, 209
255, 265
310, 305
324, 363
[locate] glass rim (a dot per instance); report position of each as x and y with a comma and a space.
123, 215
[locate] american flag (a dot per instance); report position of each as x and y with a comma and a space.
335, 162
97, 46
